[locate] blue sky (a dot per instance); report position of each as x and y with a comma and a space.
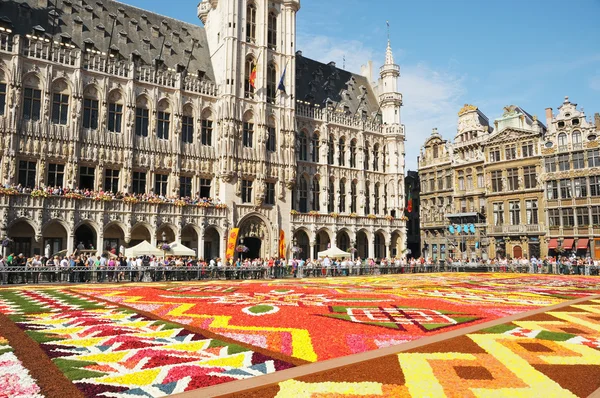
488, 53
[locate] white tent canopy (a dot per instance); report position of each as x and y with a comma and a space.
178, 249
143, 249
334, 252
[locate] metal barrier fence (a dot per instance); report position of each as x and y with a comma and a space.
18, 275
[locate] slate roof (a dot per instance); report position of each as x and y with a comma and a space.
135, 31
317, 83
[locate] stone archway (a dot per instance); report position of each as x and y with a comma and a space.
301, 241
55, 238
114, 238
189, 238
323, 242
140, 233
343, 240
23, 235
379, 245
212, 243
517, 252
85, 236
362, 245
256, 237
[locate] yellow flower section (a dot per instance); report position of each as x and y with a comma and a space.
298, 389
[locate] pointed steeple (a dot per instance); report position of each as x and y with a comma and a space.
389, 57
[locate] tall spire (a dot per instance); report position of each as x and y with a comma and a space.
389, 57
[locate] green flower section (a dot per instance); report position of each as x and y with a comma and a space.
260, 309
29, 301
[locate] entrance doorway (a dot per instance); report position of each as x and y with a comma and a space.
86, 236
517, 252
253, 245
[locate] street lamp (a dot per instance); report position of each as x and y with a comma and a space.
242, 253
164, 239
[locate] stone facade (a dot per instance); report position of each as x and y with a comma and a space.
101, 95
530, 190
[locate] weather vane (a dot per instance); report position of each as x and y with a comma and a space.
388, 29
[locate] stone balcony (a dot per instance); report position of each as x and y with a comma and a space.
528, 229
345, 221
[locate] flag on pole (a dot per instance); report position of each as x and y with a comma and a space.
409, 205
281, 86
253, 76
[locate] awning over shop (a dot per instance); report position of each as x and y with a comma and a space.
553, 244
582, 243
568, 243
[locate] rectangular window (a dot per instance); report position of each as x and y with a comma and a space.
531, 211
514, 209
115, 118
568, 218
580, 185
596, 215
565, 189
529, 177
495, 155
32, 103
206, 132
563, 162
449, 181
142, 118
60, 108
583, 217
187, 129
90, 114
270, 194
87, 176
527, 149
594, 158
56, 175
554, 217
248, 134
27, 173
550, 164
271, 139
511, 152
139, 182
552, 189
205, 187
160, 184
111, 180
595, 185
185, 186
463, 205
498, 209
513, 179
2, 98
246, 191
578, 162
162, 130
496, 181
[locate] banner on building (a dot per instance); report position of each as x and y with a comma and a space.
231, 241
281, 243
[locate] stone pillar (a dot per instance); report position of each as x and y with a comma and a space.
313, 253
200, 245
153, 240
371, 253
70, 243
100, 243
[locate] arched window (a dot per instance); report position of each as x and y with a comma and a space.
342, 206
303, 208
3, 93
480, 180
353, 197
342, 152
248, 131
376, 204
331, 196
142, 116
60, 102
435, 151
367, 198
576, 138
330, 150
271, 136
249, 78
163, 120
353, 153
316, 192
303, 146
32, 98
251, 23
461, 180
376, 157
562, 140
315, 148
115, 111
272, 31
206, 131
271, 83
366, 159
187, 125
90, 108
469, 174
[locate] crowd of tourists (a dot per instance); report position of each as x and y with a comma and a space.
81, 193
81, 267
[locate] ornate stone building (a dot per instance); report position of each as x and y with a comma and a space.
101, 95
535, 190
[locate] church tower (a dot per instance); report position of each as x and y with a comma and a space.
252, 47
390, 99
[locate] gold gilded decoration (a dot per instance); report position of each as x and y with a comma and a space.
466, 108
592, 144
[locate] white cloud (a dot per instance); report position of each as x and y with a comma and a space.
432, 97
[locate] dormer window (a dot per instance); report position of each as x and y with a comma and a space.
561, 125
575, 122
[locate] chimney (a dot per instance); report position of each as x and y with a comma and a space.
548, 117
597, 121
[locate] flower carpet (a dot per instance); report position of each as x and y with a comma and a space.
553, 354
157, 339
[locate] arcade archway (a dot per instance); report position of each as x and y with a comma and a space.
302, 243
85, 237
23, 234
322, 242
362, 245
254, 234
